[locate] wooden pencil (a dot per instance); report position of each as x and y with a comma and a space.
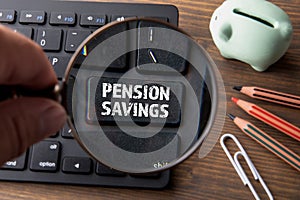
268, 142
270, 95
268, 118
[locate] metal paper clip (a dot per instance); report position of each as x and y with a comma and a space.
237, 166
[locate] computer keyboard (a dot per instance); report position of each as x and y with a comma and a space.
59, 27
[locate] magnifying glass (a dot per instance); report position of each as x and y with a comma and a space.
141, 95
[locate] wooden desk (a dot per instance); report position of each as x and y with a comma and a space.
212, 177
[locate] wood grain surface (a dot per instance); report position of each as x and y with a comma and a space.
212, 177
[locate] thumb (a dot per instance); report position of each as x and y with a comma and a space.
25, 121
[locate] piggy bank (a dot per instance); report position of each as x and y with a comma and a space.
256, 32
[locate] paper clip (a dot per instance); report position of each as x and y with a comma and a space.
237, 166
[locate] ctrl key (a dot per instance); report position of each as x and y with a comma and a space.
45, 156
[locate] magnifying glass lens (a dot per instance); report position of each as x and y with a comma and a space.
140, 95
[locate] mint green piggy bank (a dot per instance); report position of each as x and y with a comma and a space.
256, 32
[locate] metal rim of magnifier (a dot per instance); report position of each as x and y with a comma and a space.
213, 93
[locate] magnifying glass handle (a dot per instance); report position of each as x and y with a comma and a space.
13, 92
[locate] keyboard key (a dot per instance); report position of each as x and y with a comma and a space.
45, 156
166, 58
16, 164
66, 132
27, 31
148, 101
74, 39
92, 20
120, 18
77, 165
59, 64
49, 39
32, 17
7, 16
62, 18
103, 170
121, 63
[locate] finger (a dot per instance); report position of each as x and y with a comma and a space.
23, 62
25, 121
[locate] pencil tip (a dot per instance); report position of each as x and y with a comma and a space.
238, 88
235, 100
232, 117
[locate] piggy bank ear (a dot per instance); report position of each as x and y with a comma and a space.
219, 26
286, 30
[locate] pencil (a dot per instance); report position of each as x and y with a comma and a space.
270, 95
268, 142
268, 118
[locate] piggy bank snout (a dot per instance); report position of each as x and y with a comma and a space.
225, 32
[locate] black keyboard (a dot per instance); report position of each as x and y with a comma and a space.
59, 27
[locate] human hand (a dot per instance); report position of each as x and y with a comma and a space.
26, 120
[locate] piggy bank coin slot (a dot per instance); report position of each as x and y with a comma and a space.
258, 19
